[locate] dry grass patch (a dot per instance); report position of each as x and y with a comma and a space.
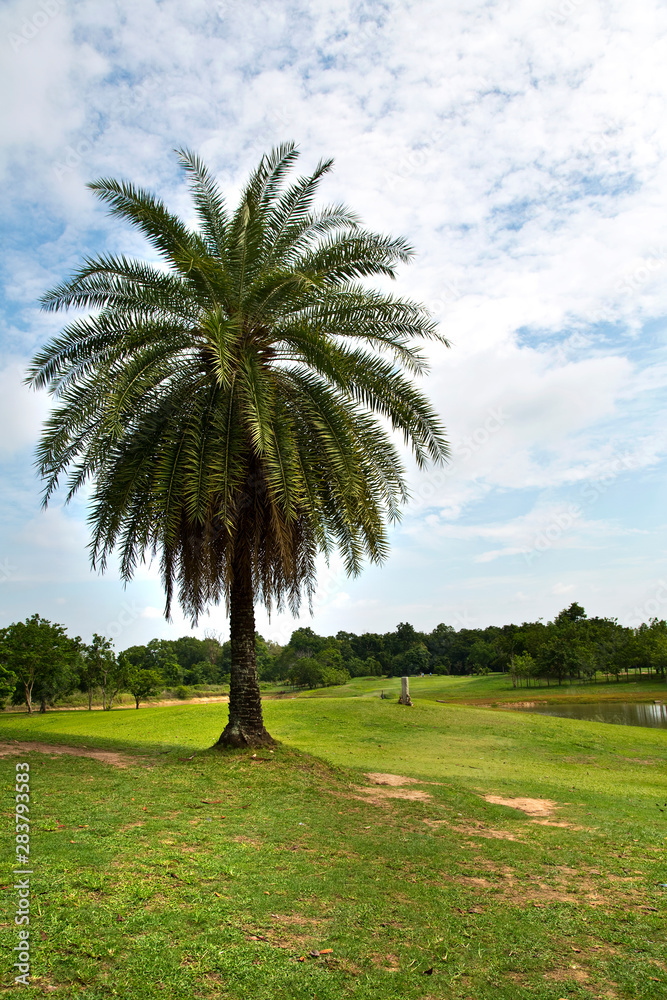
240, 838
291, 931
562, 975
474, 829
387, 963
378, 796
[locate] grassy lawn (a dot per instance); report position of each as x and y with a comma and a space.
497, 689
217, 875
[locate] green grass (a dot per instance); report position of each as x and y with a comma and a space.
147, 886
497, 689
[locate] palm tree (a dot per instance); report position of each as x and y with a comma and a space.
230, 403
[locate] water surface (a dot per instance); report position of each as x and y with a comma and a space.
622, 713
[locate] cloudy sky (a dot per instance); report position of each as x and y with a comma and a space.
519, 146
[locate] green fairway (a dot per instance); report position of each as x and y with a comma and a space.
497, 689
214, 875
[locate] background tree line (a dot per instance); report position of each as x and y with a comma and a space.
40, 663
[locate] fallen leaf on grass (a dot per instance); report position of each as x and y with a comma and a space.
211, 802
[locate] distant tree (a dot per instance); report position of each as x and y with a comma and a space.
522, 667
42, 656
114, 679
481, 656
161, 658
439, 643
356, 667
403, 638
574, 613
368, 644
92, 657
414, 660
266, 653
8, 682
651, 646
188, 650
323, 669
443, 667
143, 683
560, 657
58, 682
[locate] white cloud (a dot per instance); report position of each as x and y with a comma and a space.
522, 153
149, 612
22, 411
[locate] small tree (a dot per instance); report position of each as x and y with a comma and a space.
143, 683
41, 655
522, 665
114, 678
92, 661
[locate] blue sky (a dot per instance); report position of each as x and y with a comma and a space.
519, 147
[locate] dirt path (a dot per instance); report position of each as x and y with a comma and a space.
104, 756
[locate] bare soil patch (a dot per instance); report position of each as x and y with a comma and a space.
104, 756
395, 780
532, 807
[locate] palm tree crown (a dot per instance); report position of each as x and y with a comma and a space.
230, 403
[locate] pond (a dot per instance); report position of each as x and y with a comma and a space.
622, 713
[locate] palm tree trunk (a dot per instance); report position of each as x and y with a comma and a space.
246, 725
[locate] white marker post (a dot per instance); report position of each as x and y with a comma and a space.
405, 692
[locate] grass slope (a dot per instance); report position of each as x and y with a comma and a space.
213, 876
497, 689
